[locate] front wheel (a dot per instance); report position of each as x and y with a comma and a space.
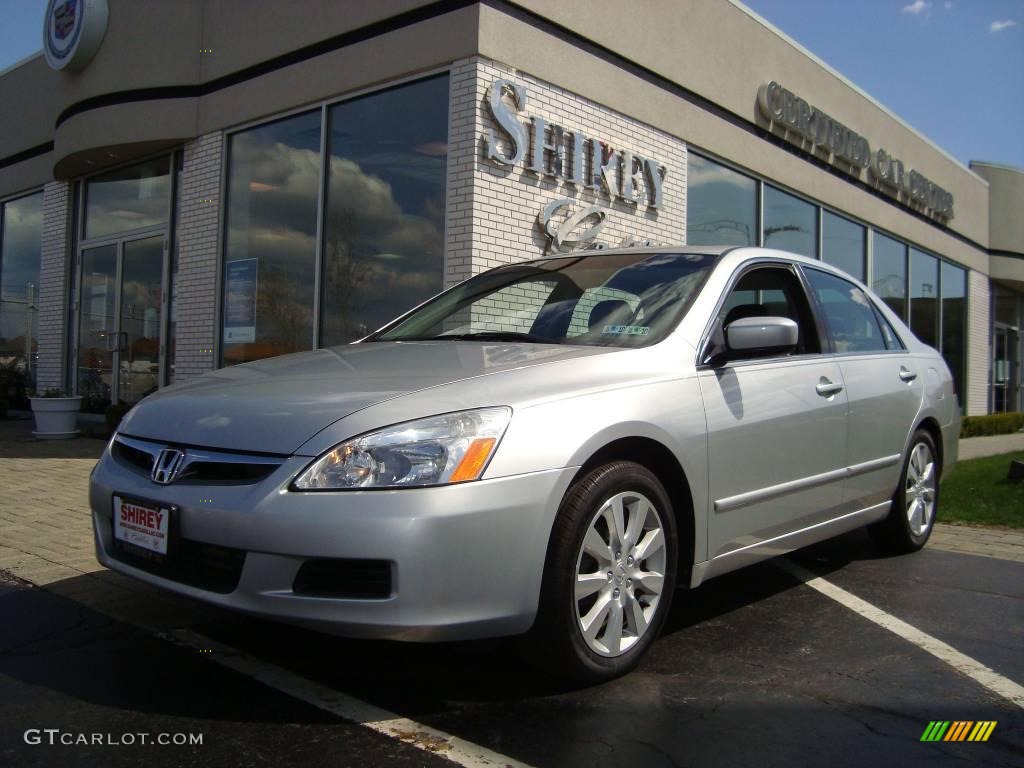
910, 521
609, 576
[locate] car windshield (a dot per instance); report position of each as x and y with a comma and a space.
620, 300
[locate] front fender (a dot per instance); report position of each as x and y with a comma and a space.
567, 432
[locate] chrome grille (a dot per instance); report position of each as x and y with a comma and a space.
200, 466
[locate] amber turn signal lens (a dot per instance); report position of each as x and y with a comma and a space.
472, 463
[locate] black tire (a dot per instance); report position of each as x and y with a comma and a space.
556, 640
894, 534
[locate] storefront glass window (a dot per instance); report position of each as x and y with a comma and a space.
21, 230
270, 246
889, 272
954, 330
384, 217
721, 204
924, 297
128, 198
842, 244
1005, 304
172, 289
790, 224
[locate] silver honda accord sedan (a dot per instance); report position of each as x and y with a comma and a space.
548, 449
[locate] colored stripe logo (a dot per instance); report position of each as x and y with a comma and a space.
958, 730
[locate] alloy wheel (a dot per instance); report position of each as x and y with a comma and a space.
920, 489
620, 572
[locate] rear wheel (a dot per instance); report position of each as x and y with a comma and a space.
610, 574
910, 521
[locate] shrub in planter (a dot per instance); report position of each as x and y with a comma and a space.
14, 383
992, 424
114, 414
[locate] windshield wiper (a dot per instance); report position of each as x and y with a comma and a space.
531, 338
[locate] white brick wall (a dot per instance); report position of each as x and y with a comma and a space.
978, 347
54, 270
462, 159
492, 210
198, 239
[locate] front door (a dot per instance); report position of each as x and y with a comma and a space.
120, 326
776, 449
776, 427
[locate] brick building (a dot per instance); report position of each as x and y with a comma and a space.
191, 185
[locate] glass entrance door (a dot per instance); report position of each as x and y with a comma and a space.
97, 333
142, 267
1005, 369
120, 325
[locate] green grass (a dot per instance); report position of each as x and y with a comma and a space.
977, 492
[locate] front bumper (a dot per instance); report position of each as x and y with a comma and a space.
466, 560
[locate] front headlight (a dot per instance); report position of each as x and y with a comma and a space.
451, 448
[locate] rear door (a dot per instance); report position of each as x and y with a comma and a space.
883, 384
776, 426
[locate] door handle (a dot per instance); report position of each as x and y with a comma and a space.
907, 376
826, 388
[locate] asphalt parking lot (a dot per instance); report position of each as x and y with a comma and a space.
755, 667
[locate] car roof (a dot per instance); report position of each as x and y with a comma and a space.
728, 257
706, 250
737, 254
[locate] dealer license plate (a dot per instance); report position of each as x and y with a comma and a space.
142, 524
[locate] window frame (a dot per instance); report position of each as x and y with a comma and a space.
4, 201
324, 106
816, 208
866, 231
758, 201
937, 323
224, 206
13, 199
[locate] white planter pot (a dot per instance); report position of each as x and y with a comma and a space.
56, 417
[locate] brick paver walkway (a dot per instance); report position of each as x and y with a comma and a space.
46, 533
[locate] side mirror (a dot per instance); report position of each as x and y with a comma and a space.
761, 334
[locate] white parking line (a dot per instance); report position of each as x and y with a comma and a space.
417, 735
975, 670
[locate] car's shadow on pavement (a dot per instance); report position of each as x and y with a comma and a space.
733, 591
748, 666
412, 679
415, 677
77, 654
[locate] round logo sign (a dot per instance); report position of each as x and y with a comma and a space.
73, 31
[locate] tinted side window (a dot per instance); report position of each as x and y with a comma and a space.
892, 340
772, 292
852, 322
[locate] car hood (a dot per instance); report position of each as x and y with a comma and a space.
276, 405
